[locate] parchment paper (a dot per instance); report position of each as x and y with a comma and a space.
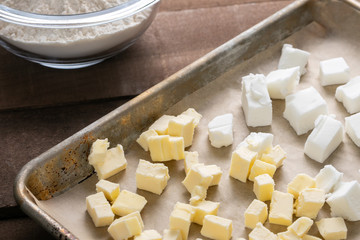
219, 97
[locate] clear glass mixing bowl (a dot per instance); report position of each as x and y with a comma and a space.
75, 41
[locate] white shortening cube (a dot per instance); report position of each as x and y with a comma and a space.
217, 228
334, 71
99, 209
152, 177
293, 57
324, 139
220, 130
126, 226
352, 128
258, 142
203, 208
327, 178
302, 108
282, 82
349, 95
111, 190
106, 162
344, 201
309, 202
332, 228
256, 212
256, 102
128, 202
242, 160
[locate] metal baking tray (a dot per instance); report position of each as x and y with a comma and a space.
65, 165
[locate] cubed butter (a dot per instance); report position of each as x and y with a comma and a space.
148, 235
310, 237
302, 108
180, 220
128, 202
309, 202
182, 126
299, 183
255, 101
193, 113
111, 190
256, 212
216, 227
263, 187
258, 142
276, 156
281, 208
161, 125
327, 178
143, 138
288, 235
99, 209
352, 128
165, 148
203, 208
282, 82
344, 201
332, 228
242, 160
260, 168
107, 163
126, 227
261, 233
176, 148
186, 207
220, 130
172, 234
215, 172
324, 139
301, 226
197, 176
198, 194
190, 159
293, 57
152, 177
334, 71
349, 95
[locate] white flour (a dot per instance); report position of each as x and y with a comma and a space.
75, 42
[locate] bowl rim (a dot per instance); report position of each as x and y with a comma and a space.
108, 15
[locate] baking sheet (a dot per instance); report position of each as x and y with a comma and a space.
223, 96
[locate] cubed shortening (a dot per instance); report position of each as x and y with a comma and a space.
334, 71
352, 128
293, 57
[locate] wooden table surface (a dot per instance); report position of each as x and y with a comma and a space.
40, 107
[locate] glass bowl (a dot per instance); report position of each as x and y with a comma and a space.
75, 41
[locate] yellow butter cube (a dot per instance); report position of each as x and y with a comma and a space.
99, 209
143, 138
148, 235
281, 208
261, 233
216, 227
176, 148
186, 207
181, 220
198, 194
172, 234
126, 227
197, 176
137, 215
242, 160
193, 113
240, 238
98, 151
161, 125
309, 202
261, 167
299, 183
332, 228
182, 126
276, 156
203, 208
152, 177
111, 190
113, 160
301, 226
288, 235
309, 237
128, 202
190, 159
263, 187
165, 148
215, 172
256, 212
